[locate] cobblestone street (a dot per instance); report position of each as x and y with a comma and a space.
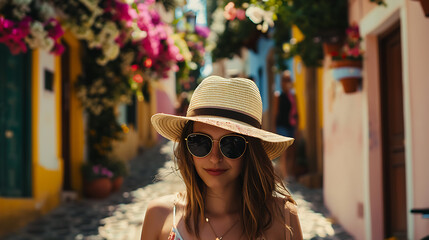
120, 216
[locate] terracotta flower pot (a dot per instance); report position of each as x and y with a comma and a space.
350, 84
98, 188
117, 183
349, 73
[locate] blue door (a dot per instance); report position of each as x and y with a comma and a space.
15, 124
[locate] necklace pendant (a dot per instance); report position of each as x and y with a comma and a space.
219, 238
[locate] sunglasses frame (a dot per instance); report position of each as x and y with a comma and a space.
220, 149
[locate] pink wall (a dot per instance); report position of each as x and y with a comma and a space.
418, 53
343, 165
164, 103
371, 84
358, 9
415, 39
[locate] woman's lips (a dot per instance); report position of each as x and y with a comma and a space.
215, 172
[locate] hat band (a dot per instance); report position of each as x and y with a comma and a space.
225, 113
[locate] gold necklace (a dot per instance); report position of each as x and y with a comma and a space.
220, 237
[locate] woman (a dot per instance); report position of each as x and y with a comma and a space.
223, 156
285, 117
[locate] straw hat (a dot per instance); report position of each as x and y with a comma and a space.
232, 104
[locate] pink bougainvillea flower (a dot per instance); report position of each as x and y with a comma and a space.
54, 28
203, 31
230, 11
355, 52
121, 11
13, 34
58, 49
96, 169
241, 14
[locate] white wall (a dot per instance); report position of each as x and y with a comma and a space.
47, 122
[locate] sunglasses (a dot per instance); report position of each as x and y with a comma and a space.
231, 146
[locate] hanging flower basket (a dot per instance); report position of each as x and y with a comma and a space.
349, 73
331, 48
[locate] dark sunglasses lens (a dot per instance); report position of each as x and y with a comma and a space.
199, 145
232, 146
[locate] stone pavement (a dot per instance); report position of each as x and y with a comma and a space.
119, 217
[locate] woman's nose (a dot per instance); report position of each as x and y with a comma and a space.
216, 156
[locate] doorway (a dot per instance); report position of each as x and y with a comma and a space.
393, 148
65, 115
15, 123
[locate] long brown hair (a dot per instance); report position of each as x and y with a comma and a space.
259, 186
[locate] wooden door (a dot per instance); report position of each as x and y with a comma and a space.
15, 123
65, 115
395, 215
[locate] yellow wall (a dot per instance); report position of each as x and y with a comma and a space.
46, 184
147, 134
299, 71
299, 85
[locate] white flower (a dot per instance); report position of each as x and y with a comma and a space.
263, 18
218, 24
109, 32
138, 35
255, 14
20, 11
47, 11
38, 37
268, 18
111, 51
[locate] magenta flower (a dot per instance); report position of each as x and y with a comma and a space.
58, 49
13, 34
203, 31
54, 28
122, 11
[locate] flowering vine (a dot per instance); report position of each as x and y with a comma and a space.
32, 23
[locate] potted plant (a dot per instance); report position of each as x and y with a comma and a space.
97, 180
119, 170
347, 63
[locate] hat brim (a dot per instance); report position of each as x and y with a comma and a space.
171, 126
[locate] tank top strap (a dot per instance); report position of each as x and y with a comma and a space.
174, 214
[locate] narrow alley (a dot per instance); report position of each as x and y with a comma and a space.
119, 217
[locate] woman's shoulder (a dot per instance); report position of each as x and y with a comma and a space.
286, 203
287, 214
158, 218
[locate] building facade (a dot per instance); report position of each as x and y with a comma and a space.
375, 158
